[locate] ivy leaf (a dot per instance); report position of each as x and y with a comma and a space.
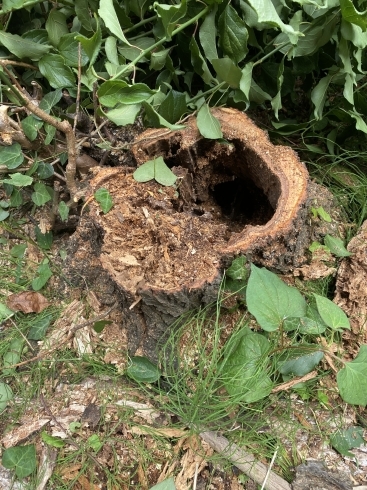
173, 107
319, 94
350, 14
52, 441
104, 199
63, 210
108, 14
155, 169
91, 45
228, 71
208, 34
12, 356
336, 246
44, 240
143, 370
123, 114
298, 363
56, 26
11, 156
233, 34
39, 328
343, 440
53, 67
208, 125
170, 15
244, 371
156, 120
199, 63
20, 458
40, 195
352, 379
113, 92
18, 180
99, 326
6, 394
23, 48
168, 484
45, 170
69, 49
332, 315
44, 274
237, 270
270, 300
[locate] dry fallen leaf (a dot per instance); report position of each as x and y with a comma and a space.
27, 302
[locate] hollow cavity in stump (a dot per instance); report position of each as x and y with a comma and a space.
165, 248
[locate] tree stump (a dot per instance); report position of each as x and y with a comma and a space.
164, 249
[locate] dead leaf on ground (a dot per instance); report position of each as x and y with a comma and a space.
27, 302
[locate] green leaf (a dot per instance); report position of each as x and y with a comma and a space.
228, 71
155, 169
319, 94
208, 125
91, 45
270, 300
53, 67
18, 251
199, 63
352, 379
123, 114
332, 315
113, 92
94, 442
45, 170
156, 120
44, 240
320, 211
44, 274
16, 198
8, 5
350, 14
22, 459
104, 199
83, 13
18, 180
168, 484
39, 328
173, 107
11, 156
52, 441
99, 326
6, 395
56, 26
23, 48
298, 363
246, 79
170, 15
30, 126
108, 14
233, 34
244, 371
12, 355
143, 370
40, 195
63, 210
208, 34
304, 325
336, 246
238, 270
3, 214
343, 440
266, 14
69, 49
158, 59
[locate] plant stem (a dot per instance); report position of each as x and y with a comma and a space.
127, 68
208, 92
141, 23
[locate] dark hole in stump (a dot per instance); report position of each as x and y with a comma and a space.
243, 202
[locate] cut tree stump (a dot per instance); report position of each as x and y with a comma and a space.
162, 250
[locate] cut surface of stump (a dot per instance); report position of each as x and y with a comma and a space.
165, 248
